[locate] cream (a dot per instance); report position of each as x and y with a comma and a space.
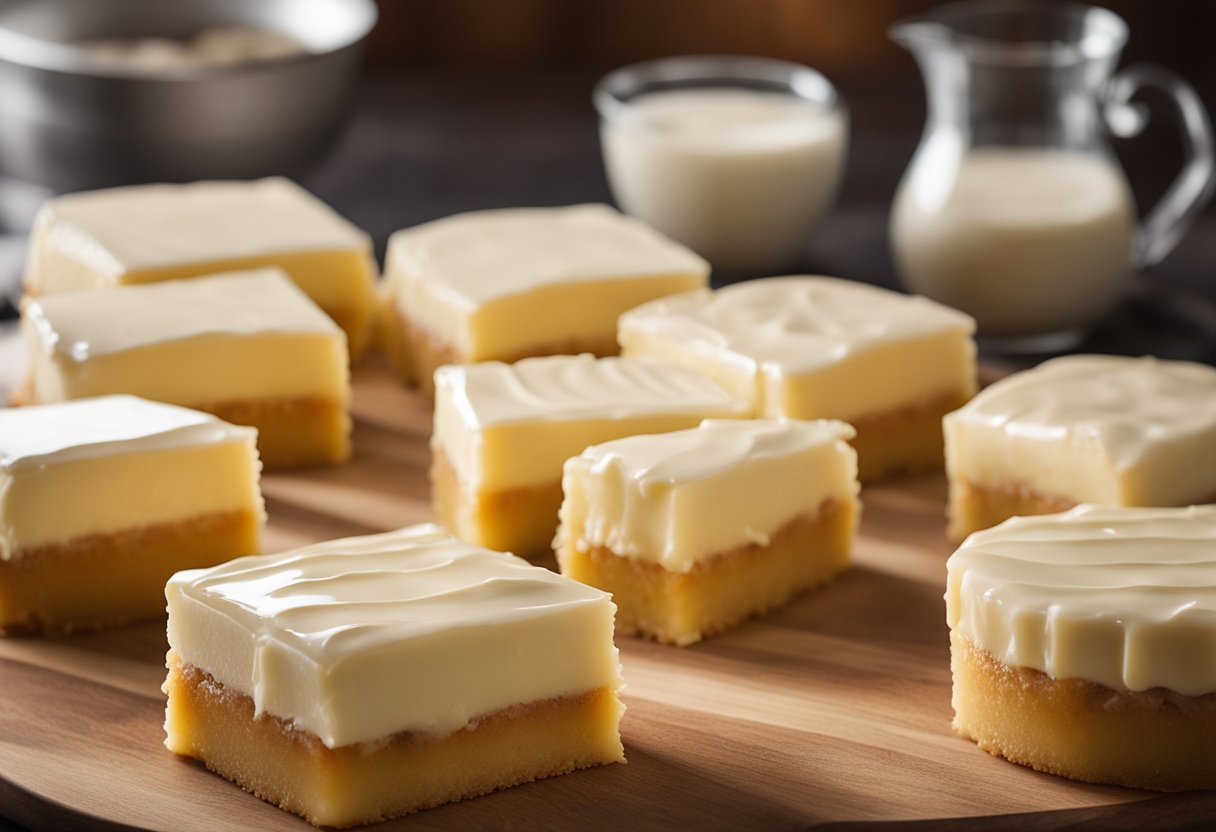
811, 347
356, 640
1124, 597
679, 498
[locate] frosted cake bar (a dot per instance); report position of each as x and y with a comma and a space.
507, 284
695, 530
101, 500
1084, 644
360, 679
1086, 428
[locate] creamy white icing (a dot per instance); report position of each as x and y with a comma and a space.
1125, 597
103, 234
104, 465
81, 325
476, 257
355, 640
811, 346
1091, 428
680, 497
240, 336
34, 438
502, 425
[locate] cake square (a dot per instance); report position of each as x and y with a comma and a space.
1084, 644
503, 431
101, 500
361, 679
506, 284
248, 347
823, 348
695, 530
146, 233
1097, 429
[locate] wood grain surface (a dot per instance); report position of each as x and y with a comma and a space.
834, 711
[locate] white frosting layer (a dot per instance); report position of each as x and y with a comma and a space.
98, 466
227, 337
92, 238
356, 640
511, 425
496, 283
33, 438
811, 346
81, 325
1125, 597
680, 498
476, 257
1102, 429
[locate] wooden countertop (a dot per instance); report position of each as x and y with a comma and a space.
831, 712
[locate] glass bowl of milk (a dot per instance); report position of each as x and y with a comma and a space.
736, 157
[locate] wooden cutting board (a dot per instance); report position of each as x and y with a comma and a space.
834, 709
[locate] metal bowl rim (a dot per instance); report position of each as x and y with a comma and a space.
31, 52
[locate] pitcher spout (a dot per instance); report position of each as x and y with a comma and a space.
917, 34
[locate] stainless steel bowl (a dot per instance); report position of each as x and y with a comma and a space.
70, 122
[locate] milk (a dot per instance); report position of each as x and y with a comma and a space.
1028, 241
740, 176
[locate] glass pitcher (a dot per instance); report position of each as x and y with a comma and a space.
1014, 209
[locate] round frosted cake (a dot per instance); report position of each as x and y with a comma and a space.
1084, 644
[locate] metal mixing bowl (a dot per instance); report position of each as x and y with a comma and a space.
70, 122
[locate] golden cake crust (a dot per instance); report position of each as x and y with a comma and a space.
904, 441
1155, 739
101, 580
293, 432
518, 520
974, 507
404, 773
681, 608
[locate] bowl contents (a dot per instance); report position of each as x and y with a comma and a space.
215, 46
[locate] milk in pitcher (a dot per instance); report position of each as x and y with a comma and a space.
1027, 240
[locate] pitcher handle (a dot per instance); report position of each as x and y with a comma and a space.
1169, 219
